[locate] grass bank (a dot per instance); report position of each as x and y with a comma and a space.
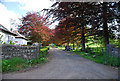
16, 64
101, 58
97, 55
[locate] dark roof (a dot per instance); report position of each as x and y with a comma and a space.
15, 33
18, 35
3, 29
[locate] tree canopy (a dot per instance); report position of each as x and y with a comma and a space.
97, 15
35, 28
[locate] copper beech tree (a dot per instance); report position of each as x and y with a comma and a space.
66, 33
35, 28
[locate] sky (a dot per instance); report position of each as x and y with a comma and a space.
15, 9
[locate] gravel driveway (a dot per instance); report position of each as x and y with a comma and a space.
64, 65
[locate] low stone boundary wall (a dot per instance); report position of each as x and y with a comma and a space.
112, 50
24, 52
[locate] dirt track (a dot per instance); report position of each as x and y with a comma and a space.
64, 65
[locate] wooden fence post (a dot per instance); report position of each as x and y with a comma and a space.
38, 51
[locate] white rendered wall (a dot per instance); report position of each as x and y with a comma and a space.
6, 37
20, 41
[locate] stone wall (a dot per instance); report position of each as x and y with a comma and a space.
24, 52
112, 50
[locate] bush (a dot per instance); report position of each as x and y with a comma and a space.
43, 51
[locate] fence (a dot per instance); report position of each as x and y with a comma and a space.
24, 52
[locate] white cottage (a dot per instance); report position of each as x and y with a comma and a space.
14, 36
6, 34
19, 39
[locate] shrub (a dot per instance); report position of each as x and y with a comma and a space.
43, 51
10, 42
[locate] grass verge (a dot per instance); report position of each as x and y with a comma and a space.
100, 58
16, 64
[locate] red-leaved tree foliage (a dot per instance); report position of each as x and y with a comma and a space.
35, 28
66, 32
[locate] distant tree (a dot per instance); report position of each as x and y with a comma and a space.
35, 28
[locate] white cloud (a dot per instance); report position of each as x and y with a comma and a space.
36, 5
6, 16
33, 5
20, 1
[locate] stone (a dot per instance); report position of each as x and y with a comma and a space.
94, 56
24, 52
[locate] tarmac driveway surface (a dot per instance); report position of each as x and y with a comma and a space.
65, 65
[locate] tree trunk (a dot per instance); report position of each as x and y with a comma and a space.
105, 26
68, 43
83, 39
73, 45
